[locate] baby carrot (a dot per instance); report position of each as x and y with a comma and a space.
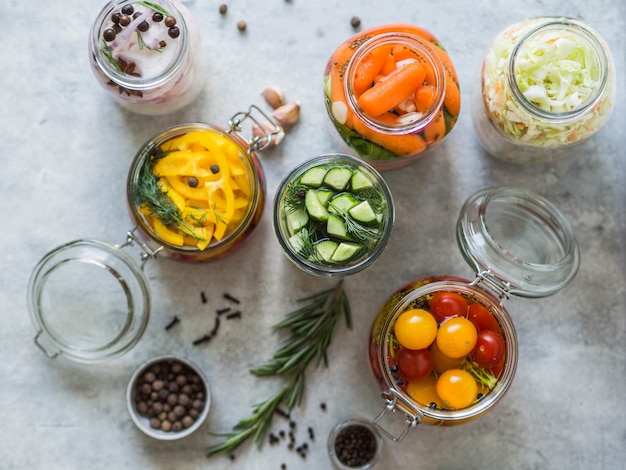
368, 67
388, 93
402, 52
402, 145
436, 129
424, 97
337, 68
452, 97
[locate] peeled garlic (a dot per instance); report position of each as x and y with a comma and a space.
287, 114
274, 97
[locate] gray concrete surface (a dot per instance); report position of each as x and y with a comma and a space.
66, 152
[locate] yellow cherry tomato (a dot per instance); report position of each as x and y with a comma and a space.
456, 337
441, 362
415, 329
457, 388
424, 391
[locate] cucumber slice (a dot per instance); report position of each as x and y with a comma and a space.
359, 181
296, 242
324, 195
326, 248
314, 207
342, 203
296, 220
313, 177
336, 228
337, 178
346, 251
363, 212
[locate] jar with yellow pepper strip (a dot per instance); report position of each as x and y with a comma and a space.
196, 190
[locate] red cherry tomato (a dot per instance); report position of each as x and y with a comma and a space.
482, 318
489, 349
448, 304
414, 363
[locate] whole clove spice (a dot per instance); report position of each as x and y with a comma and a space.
202, 339
203, 297
172, 322
227, 296
236, 314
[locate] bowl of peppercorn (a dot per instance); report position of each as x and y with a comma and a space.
168, 397
354, 443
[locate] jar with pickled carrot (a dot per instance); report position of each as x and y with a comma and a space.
197, 191
392, 94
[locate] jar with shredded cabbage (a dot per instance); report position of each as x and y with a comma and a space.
546, 84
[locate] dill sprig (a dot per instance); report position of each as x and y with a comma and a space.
311, 328
307, 247
148, 193
373, 196
295, 197
368, 236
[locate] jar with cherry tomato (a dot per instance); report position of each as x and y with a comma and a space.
392, 93
443, 349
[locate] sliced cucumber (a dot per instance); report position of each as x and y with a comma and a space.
326, 248
363, 212
342, 203
314, 207
324, 195
346, 251
337, 178
359, 181
336, 228
296, 242
313, 177
296, 220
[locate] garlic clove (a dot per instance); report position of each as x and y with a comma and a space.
288, 114
274, 96
266, 129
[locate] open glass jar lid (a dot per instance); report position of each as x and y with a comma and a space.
89, 301
520, 239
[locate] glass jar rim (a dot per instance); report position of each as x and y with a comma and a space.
177, 130
590, 37
128, 81
87, 343
520, 238
410, 40
326, 270
508, 371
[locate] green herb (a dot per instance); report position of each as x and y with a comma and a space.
142, 44
307, 248
482, 375
155, 7
366, 235
148, 193
311, 328
106, 52
294, 196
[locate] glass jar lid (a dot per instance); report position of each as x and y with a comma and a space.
520, 238
88, 300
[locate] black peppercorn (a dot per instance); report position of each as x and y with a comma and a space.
170, 21
192, 182
355, 22
173, 32
223, 9
355, 445
128, 9
215, 169
115, 17
157, 17
143, 26
124, 20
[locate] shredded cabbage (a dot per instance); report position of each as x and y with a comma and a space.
557, 71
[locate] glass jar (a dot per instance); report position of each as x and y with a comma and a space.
90, 300
391, 93
333, 215
519, 244
147, 55
355, 444
546, 85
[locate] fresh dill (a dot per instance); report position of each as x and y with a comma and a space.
368, 236
311, 328
295, 197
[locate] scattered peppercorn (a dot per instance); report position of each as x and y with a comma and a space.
143, 26
355, 445
323, 406
241, 25
203, 297
109, 35
235, 314
157, 17
167, 410
173, 32
355, 21
223, 9
222, 311
128, 9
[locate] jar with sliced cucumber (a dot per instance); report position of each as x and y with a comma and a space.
333, 215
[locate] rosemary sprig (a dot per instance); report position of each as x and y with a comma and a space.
311, 328
155, 7
106, 52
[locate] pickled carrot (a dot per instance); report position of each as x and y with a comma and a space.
389, 65
396, 87
424, 97
435, 130
452, 96
402, 52
403, 145
368, 68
